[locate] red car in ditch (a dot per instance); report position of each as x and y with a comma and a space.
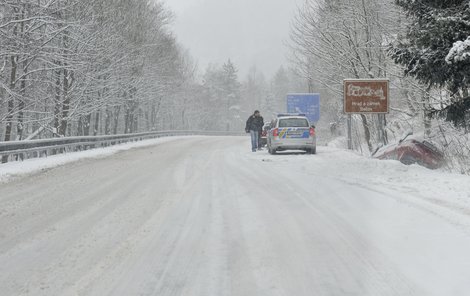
410, 151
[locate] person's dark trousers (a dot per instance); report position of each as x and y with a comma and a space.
254, 140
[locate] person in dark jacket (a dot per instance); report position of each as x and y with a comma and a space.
254, 124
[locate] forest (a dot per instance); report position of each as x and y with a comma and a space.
85, 67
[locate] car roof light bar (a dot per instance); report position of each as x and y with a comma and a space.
290, 114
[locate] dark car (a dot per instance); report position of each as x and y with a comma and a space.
264, 134
410, 151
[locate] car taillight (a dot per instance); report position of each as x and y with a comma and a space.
275, 132
312, 132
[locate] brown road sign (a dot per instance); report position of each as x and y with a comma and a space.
366, 96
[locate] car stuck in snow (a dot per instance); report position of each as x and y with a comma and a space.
410, 151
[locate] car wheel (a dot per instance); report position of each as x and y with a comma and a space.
311, 151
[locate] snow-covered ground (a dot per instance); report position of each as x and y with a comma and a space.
205, 216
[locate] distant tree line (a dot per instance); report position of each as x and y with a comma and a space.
227, 99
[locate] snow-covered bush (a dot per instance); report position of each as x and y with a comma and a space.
455, 144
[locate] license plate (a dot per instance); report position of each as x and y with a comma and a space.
294, 134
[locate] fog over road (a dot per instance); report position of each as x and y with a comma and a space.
205, 216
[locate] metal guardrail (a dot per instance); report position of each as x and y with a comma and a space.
20, 150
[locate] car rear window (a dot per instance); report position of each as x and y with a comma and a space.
293, 122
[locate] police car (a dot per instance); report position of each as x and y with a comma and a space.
292, 132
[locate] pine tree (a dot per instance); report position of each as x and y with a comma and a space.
232, 96
428, 50
223, 88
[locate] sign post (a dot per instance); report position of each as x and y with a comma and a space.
350, 147
366, 96
308, 104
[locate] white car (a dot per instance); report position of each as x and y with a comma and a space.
292, 132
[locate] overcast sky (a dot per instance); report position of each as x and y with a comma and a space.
249, 32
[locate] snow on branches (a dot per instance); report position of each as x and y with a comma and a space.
459, 52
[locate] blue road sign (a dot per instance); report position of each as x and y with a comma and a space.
309, 104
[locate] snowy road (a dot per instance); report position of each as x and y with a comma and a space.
204, 216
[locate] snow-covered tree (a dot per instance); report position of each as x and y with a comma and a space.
82, 67
232, 96
255, 92
280, 87
434, 50
334, 40
223, 87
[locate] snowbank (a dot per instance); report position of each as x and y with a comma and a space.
430, 188
14, 169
